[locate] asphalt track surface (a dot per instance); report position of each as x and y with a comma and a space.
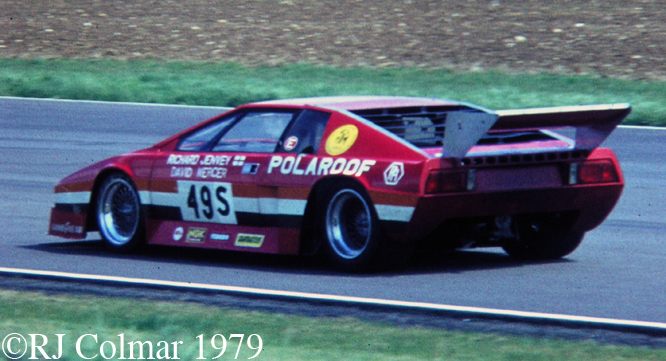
617, 272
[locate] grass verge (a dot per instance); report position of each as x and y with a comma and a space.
229, 84
284, 337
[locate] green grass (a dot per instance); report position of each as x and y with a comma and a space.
285, 337
229, 84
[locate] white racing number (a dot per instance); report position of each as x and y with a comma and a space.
206, 202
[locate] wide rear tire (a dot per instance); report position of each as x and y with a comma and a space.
119, 214
348, 227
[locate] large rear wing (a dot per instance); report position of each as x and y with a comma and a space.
593, 124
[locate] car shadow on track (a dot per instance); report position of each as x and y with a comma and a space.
460, 261
423, 262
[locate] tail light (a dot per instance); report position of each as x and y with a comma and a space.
441, 181
597, 171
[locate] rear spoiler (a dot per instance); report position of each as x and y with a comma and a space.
593, 124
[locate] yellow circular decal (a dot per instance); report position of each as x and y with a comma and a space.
341, 139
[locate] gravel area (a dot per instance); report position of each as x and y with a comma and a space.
622, 39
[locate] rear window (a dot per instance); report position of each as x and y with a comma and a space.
421, 126
425, 127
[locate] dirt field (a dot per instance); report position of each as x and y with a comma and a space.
624, 39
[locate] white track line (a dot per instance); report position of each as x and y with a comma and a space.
114, 103
248, 291
642, 127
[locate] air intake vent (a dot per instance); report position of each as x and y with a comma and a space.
514, 159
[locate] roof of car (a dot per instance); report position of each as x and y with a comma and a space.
363, 102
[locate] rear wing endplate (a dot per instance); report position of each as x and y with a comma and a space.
593, 124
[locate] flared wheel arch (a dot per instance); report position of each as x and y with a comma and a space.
381, 253
310, 243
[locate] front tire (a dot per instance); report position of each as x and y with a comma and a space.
119, 215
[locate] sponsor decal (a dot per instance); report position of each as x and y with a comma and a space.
249, 240
67, 228
239, 160
219, 237
250, 168
320, 166
196, 159
341, 139
290, 143
181, 172
219, 160
394, 173
178, 234
179, 159
196, 235
212, 172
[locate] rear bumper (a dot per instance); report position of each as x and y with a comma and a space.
592, 204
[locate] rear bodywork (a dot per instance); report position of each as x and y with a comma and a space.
426, 164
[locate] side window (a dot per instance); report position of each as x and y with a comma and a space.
304, 135
256, 132
201, 139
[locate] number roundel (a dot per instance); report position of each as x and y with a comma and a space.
207, 202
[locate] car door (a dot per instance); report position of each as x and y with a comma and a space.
217, 175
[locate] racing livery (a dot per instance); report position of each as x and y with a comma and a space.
361, 179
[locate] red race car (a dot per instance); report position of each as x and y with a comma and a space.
361, 179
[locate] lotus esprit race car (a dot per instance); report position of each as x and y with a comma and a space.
361, 179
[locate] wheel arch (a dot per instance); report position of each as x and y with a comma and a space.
91, 218
309, 243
